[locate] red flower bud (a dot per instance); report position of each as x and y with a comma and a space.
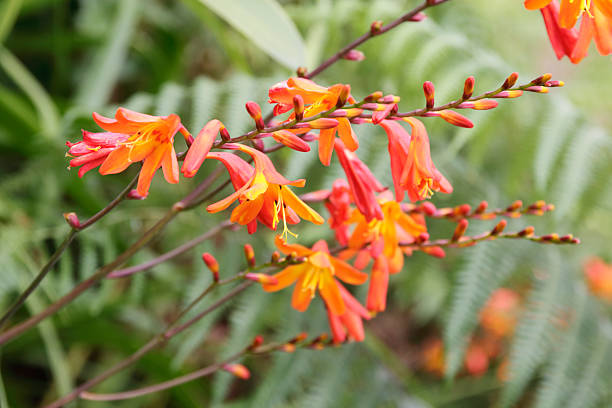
375, 27
374, 96
499, 228
354, 55
238, 370
508, 94
468, 88
510, 81
482, 207
542, 79
212, 264
538, 89
460, 230
554, 84
224, 134
261, 278
456, 119
298, 107
291, 140
483, 104
428, 89
72, 220
249, 254
255, 111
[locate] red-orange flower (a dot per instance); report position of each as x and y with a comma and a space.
316, 273
93, 149
362, 182
263, 192
599, 278
500, 314
133, 137
349, 324
318, 99
412, 169
596, 23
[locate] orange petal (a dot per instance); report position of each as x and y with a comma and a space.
149, 167
569, 13
286, 277
326, 145
300, 207
116, 162
170, 166
200, 148
301, 296
112, 125
331, 294
347, 135
289, 248
536, 4
347, 273
247, 211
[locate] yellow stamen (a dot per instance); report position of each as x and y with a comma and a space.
279, 206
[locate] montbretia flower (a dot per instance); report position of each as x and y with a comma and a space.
361, 180
263, 193
318, 272
131, 137
598, 275
412, 169
350, 323
318, 99
500, 314
596, 23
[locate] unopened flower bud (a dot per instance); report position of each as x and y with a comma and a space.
514, 206
429, 91
456, 119
460, 230
554, 84
354, 55
436, 251
389, 99
527, 232
422, 238
288, 348
510, 81
135, 195
375, 27
275, 257
224, 134
257, 341
374, 96
261, 278
291, 140
301, 72
468, 88
345, 92
212, 264
299, 338
418, 17
499, 228
542, 79
255, 111
249, 254
72, 220
238, 370
538, 205
508, 94
298, 107
550, 237
538, 89
428, 208
322, 123
482, 207
483, 104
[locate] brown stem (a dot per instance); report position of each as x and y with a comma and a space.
372, 33
163, 385
121, 273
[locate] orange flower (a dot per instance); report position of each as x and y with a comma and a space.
93, 149
500, 314
317, 272
350, 323
382, 239
599, 278
361, 180
263, 192
419, 177
596, 23
318, 99
134, 137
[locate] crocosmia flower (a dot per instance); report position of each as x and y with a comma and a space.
595, 24
263, 193
350, 323
412, 168
318, 99
131, 137
317, 273
598, 276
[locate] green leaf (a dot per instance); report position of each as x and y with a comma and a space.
267, 25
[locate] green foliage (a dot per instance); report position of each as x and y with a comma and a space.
161, 58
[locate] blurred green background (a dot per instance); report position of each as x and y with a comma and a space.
60, 60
